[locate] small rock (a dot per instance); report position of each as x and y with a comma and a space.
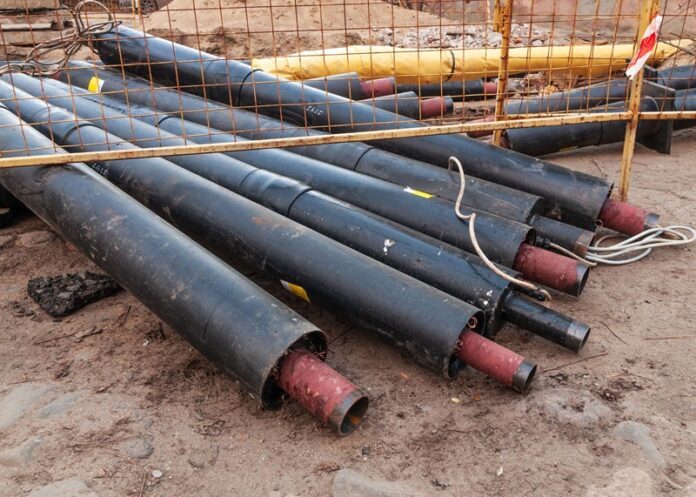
65, 488
5, 241
156, 473
350, 483
60, 405
196, 460
639, 434
34, 238
627, 482
577, 407
493, 39
20, 400
137, 448
21, 455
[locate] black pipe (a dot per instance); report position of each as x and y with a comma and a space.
404, 104
584, 97
499, 238
423, 321
570, 196
552, 326
653, 133
604, 93
231, 321
356, 156
474, 89
347, 85
408, 104
389, 201
677, 77
570, 237
480, 194
440, 265
685, 100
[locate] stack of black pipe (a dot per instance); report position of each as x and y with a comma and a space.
366, 231
663, 91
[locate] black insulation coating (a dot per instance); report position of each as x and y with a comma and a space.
227, 318
550, 139
499, 238
458, 90
346, 85
438, 264
480, 194
570, 196
424, 322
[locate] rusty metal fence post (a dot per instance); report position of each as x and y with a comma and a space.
502, 22
648, 10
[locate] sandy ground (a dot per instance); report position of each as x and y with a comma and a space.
246, 28
110, 408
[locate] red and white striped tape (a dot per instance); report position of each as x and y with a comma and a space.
646, 47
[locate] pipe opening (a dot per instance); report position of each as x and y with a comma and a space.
583, 341
523, 377
353, 416
583, 274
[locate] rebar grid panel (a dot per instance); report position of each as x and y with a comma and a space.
547, 47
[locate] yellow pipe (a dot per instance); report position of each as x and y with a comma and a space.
435, 65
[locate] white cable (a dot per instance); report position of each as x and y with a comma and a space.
471, 219
571, 254
642, 242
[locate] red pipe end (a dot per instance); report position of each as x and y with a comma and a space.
490, 88
437, 106
551, 269
626, 218
496, 361
322, 391
378, 87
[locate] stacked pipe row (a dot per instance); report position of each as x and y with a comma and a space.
367, 231
667, 90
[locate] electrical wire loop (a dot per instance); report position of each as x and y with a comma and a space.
471, 220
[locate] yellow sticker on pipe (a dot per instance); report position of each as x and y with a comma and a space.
418, 193
296, 290
95, 85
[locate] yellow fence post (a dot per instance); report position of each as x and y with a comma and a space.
503, 16
647, 11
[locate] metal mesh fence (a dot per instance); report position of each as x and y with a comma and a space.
533, 76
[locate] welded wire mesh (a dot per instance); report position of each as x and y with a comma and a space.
458, 59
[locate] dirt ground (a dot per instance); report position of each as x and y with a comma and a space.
130, 397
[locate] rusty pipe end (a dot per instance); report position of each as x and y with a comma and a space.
437, 106
577, 335
523, 376
378, 87
551, 269
626, 218
652, 220
490, 88
496, 361
583, 242
322, 391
